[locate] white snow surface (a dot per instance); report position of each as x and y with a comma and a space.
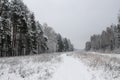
63, 66
72, 69
28, 68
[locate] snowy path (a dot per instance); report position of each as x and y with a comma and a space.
71, 69
65, 66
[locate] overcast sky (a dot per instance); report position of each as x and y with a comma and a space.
76, 19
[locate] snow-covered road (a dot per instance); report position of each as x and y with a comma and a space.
61, 66
71, 69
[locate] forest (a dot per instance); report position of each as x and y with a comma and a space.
22, 34
108, 40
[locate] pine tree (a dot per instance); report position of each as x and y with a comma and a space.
52, 38
108, 40
20, 28
41, 39
71, 47
66, 44
60, 43
5, 28
88, 46
118, 33
21, 34
33, 33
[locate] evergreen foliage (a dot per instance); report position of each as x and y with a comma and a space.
107, 40
21, 34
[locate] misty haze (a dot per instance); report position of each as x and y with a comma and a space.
60, 40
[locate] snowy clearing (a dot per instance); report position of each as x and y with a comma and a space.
61, 66
101, 66
38, 67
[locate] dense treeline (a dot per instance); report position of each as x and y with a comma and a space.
56, 43
21, 34
107, 40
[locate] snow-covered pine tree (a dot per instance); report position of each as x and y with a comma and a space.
19, 26
52, 38
33, 34
66, 44
60, 43
41, 39
21, 34
71, 47
5, 28
107, 41
88, 46
118, 33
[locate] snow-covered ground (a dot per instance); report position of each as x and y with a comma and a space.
72, 69
61, 66
101, 66
38, 67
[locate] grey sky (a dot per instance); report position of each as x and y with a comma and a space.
76, 19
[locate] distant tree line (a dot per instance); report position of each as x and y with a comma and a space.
107, 40
56, 43
21, 34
